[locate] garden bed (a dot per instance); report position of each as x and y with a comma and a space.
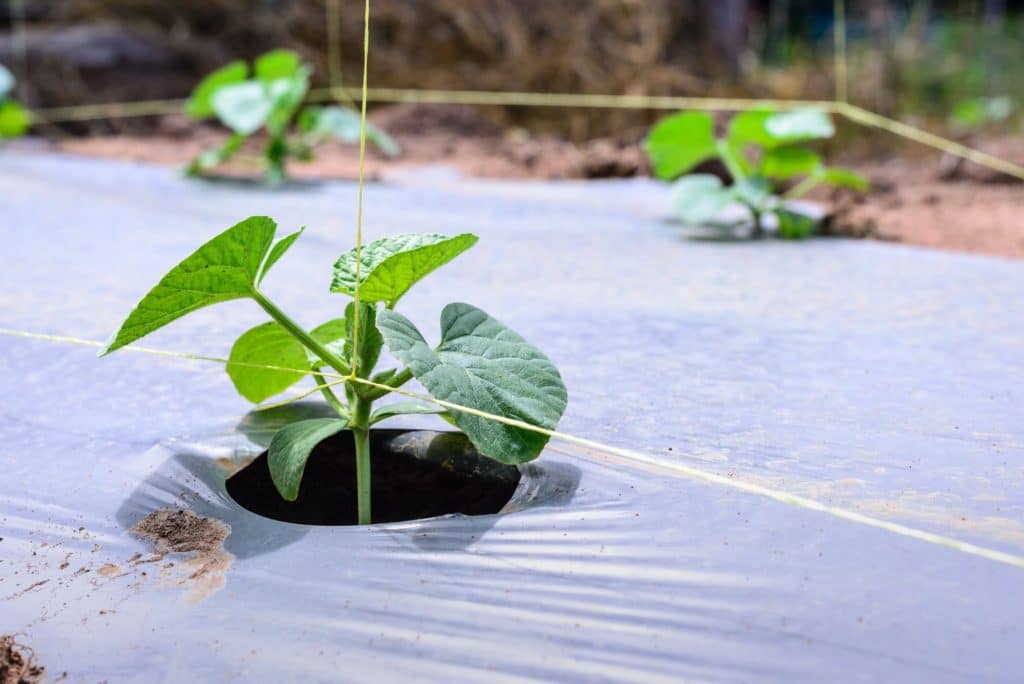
921, 199
877, 379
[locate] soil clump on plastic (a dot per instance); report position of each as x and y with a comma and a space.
172, 530
17, 663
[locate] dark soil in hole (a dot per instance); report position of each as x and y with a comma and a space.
17, 663
416, 474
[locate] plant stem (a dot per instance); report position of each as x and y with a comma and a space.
731, 162
360, 422
803, 187
374, 393
305, 338
758, 225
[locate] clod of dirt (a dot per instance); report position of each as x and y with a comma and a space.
17, 663
172, 530
179, 531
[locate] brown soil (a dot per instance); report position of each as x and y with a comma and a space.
425, 475
172, 530
921, 202
929, 200
17, 663
452, 135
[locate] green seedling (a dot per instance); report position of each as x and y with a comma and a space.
270, 96
479, 363
763, 154
976, 113
14, 119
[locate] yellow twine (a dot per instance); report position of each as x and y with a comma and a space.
624, 456
359, 211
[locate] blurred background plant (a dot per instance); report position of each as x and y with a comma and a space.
916, 59
14, 120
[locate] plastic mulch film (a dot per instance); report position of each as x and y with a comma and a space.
876, 380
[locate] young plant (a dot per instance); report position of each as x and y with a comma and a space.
480, 363
14, 119
976, 113
270, 96
761, 152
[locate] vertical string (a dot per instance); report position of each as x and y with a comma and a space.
839, 50
362, 164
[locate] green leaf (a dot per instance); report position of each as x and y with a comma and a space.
277, 64
748, 128
794, 225
484, 365
200, 103
243, 107
213, 158
290, 449
403, 408
286, 94
699, 198
786, 162
333, 335
343, 124
14, 119
391, 265
370, 340
277, 251
754, 192
680, 142
6, 82
845, 178
268, 344
223, 269
799, 124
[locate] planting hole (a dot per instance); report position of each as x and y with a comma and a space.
415, 474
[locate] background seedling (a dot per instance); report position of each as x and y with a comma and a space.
269, 96
14, 119
762, 153
480, 363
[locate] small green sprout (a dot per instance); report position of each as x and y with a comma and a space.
14, 119
270, 96
974, 114
761, 152
480, 363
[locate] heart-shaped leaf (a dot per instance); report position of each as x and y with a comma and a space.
747, 128
344, 124
794, 225
403, 408
799, 124
266, 345
14, 119
699, 198
482, 364
680, 142
286, 95
755, 192
845, 178
277, 64
223, 269
783, 163
243, 107
290, 449
200, 103
6, 82
391, 265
